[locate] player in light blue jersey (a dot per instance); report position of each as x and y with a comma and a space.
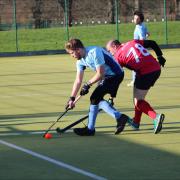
108, 74
140, 33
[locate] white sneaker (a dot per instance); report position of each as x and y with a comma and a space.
158, 123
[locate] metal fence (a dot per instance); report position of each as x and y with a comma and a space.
47, 24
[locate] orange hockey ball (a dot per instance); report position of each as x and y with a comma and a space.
48, 136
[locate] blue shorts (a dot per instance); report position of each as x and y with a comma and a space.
146, 81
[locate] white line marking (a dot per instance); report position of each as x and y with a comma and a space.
53, 161
20, 134
30, 94
24, 133
11, 134
29, 133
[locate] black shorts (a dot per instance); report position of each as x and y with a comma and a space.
146, 81
109, 85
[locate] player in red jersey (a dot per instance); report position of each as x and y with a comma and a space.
134, 56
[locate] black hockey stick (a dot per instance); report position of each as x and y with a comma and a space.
60, 116
60, 131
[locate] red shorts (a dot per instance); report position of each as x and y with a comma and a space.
146, 81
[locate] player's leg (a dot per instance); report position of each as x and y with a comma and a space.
111, 85
131, 84
101, 90
141, 105
142, 86
95, 98
107, 107
146, 108
137, 95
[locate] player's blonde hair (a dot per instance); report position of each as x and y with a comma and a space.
74, 44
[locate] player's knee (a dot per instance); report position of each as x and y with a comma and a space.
139, 104
95, 101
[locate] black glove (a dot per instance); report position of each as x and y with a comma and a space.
85, 89
67, 105
161, 60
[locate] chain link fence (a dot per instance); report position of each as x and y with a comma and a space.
38, 25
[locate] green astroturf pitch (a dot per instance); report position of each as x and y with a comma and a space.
33, 93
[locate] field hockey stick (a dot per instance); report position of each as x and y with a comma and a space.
60, 131
60, 116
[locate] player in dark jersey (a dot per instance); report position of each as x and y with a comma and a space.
134, 56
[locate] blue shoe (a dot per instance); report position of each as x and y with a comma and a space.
134, 125
158, 123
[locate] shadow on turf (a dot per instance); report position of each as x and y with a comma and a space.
99, 132
70, 113
105, 155
168, 130
143, 130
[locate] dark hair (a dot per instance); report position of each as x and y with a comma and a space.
116, 42
73, 44
140, 14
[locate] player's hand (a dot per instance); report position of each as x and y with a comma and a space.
161, 60
70, 104
85, 89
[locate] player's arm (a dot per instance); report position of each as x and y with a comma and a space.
98, 63
147, 34
77, 83
76, 86
153, 45
98, 75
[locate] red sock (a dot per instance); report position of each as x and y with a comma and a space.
137, 115
145, 107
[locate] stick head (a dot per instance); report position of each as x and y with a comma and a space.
58, 130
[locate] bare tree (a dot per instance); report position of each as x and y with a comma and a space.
69, 9
126, 10
172, 9
37, 13
136, 4
111, 11
177, 9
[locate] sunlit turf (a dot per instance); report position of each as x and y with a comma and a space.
34, 91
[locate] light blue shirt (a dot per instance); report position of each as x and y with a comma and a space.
97, 56
140, 32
